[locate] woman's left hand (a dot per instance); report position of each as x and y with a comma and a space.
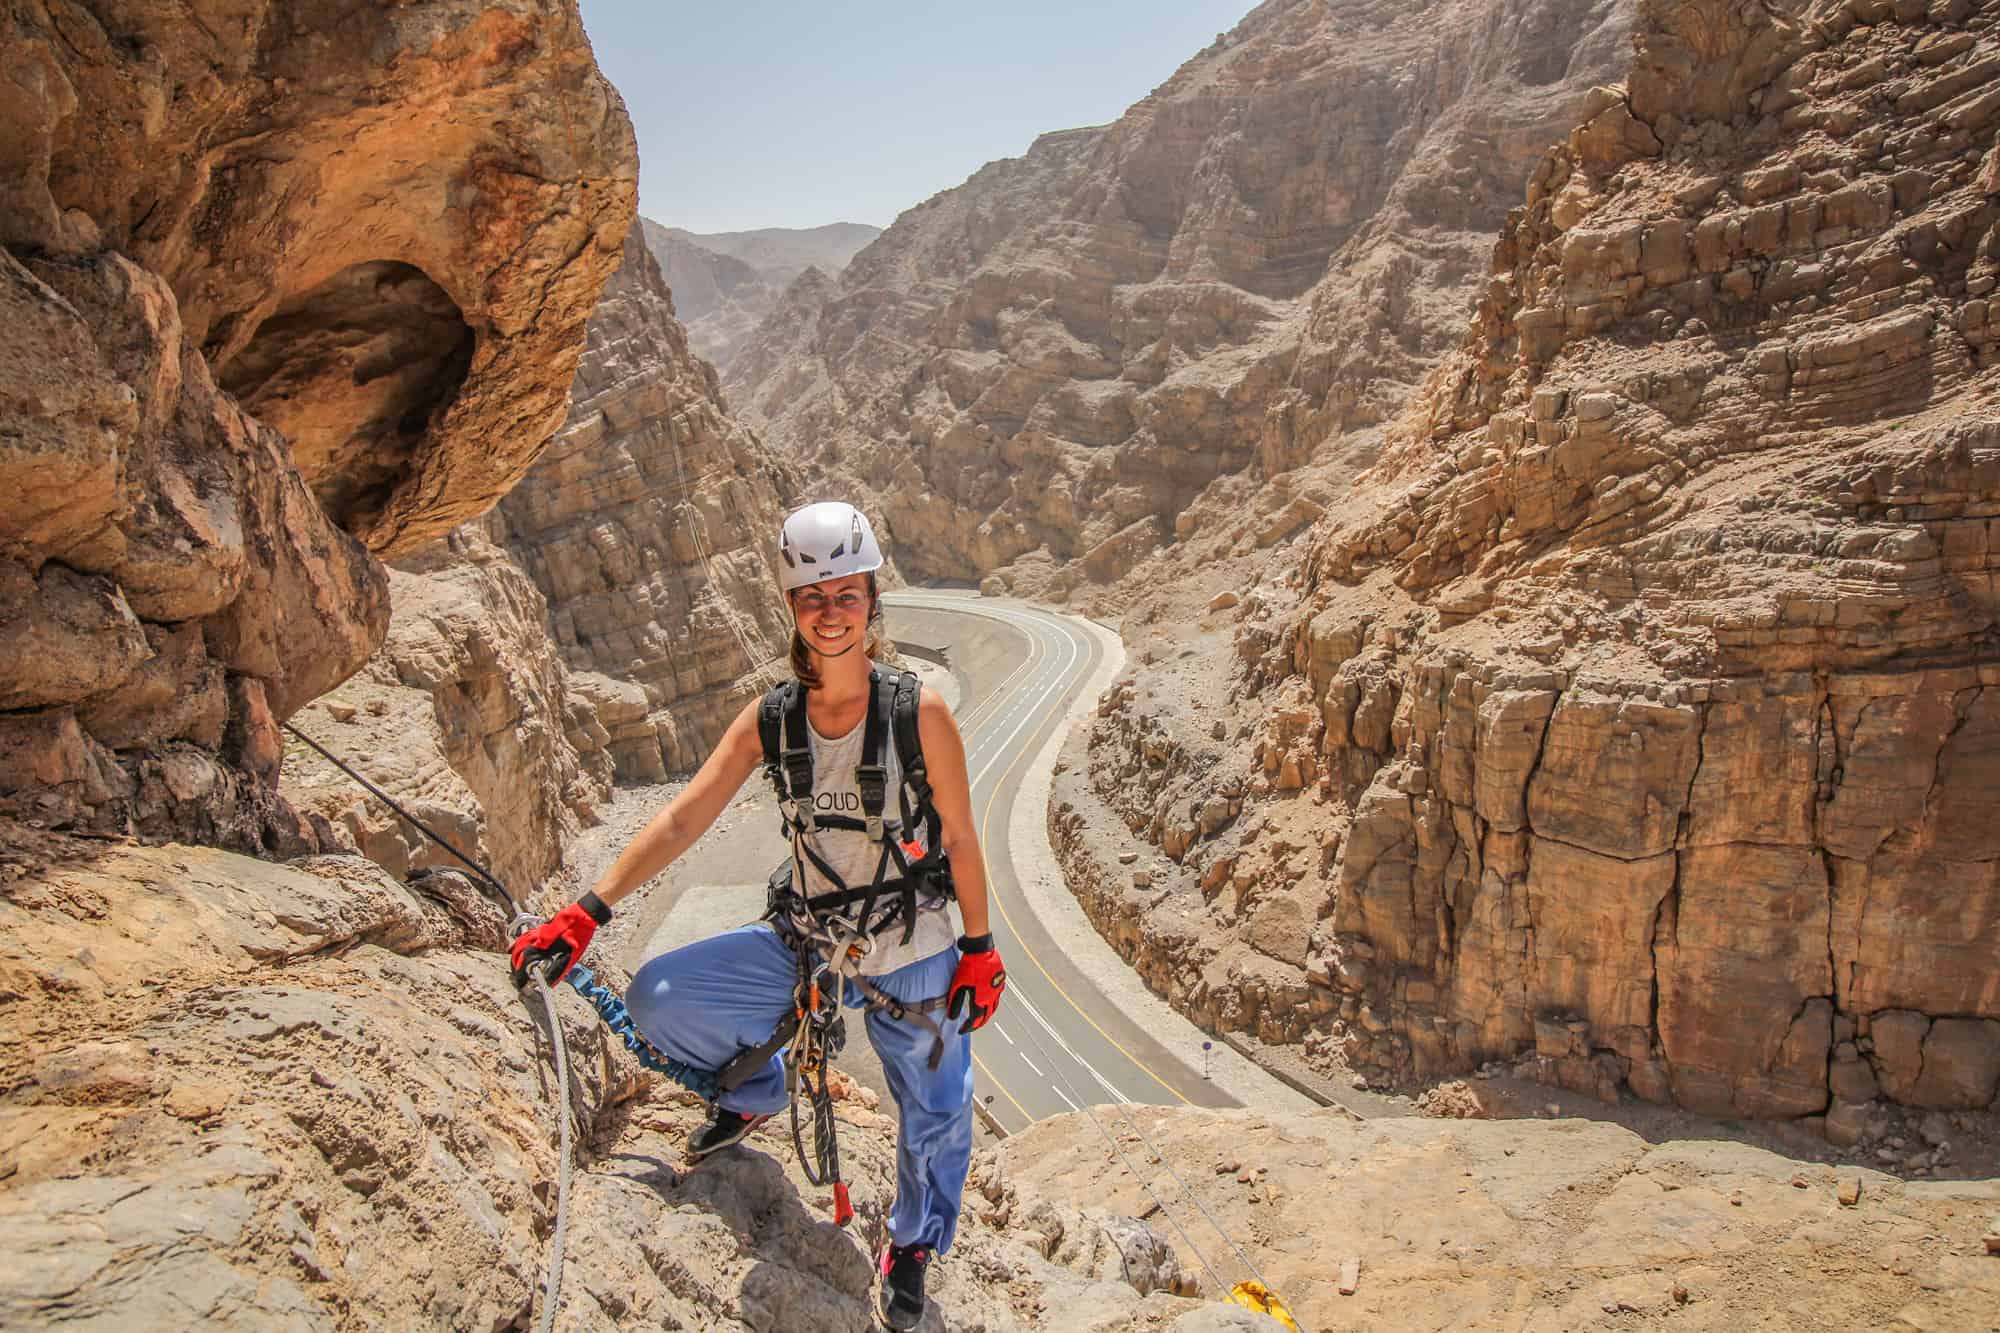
977, 984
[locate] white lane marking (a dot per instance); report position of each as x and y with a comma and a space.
1070, 1051
1066, 1101
1032, 1065
976, 715
1073, 644
1037, 627
1059, 680
984, 710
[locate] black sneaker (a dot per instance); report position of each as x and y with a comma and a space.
900, 1299
723, 1128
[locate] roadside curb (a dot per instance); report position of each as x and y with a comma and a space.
1292, 1081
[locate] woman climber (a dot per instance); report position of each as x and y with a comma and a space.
871, 777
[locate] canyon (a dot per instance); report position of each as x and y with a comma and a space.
726, 283
1036, 374
1624, 723
1543, 460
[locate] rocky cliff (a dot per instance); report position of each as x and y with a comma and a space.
471, 713
1039, 371
725, 283
282, 289
648, 524
467, 716
383, 229
246, 1094
1633, 718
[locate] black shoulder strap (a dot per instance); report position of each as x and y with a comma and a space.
781, 730
909, 744
770, 717
869, 775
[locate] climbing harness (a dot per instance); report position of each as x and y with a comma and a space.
828, 940
821, 1035
911, 870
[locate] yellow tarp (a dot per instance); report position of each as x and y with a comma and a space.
1254, 1296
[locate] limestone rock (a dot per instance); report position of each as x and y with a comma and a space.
649, 525
265, 1065
1653, 657
466, 716
1040, 370
201, 217
201, 581
66, 636
1597, 1213
270, 169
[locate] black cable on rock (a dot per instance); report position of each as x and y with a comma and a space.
421, 827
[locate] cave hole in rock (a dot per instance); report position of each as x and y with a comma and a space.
354, 371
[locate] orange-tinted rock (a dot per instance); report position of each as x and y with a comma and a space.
385, 228
202, 216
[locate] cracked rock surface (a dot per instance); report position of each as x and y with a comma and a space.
1039, 370
1558, 1225
238, 1094
1632, 722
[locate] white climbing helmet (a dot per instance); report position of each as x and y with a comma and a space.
828, 540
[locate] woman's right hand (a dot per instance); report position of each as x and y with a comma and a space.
557, 943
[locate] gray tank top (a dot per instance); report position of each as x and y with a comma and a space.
854, 858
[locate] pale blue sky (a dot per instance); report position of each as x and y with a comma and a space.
774, 113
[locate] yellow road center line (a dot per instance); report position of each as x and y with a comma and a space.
995, 1081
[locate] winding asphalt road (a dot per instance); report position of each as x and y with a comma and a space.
1058, 1044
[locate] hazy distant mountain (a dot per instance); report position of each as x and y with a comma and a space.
724, 283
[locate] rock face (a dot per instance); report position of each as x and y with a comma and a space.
383, 230
1040, 370
725, 283
650, 524
169, 587
468, 717
308, 1097
1563, 1224
213, 231
1641, 704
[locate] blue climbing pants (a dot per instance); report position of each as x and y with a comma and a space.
706, 1001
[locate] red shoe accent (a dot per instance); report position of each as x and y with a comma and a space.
843, 1211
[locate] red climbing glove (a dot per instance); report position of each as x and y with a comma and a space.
976, 985
557, 943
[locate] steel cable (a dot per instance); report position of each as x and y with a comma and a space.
552, 1284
